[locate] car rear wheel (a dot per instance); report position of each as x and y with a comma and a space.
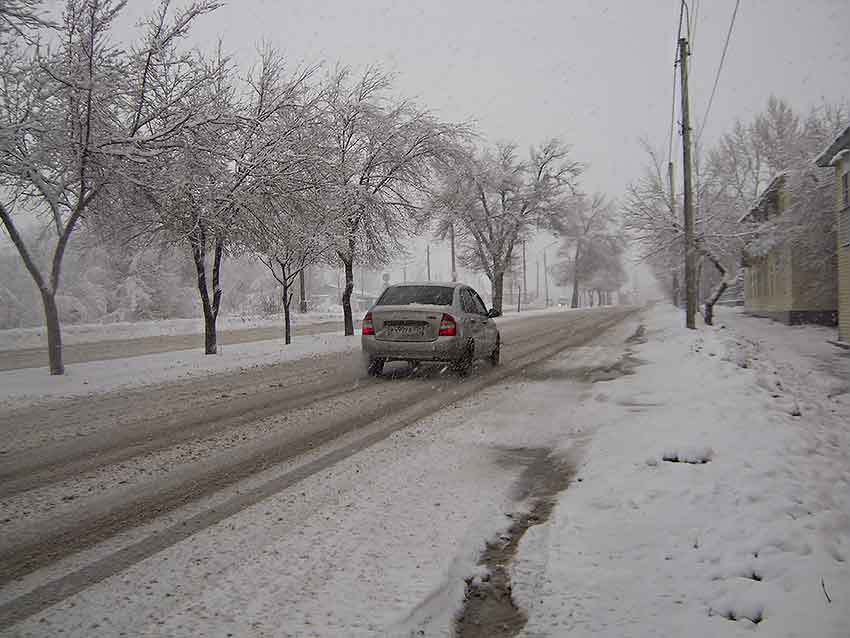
496, 355
375, 367
464, 363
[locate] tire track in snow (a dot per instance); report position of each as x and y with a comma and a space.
192, 483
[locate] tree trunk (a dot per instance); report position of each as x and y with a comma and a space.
574, 302
210, 307
302, 292
54, 333
497, 287
287, 320
346, 297
716, 293
676, 289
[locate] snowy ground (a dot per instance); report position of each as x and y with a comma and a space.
19, 338
759, 536
29, 385
755, 538
23, 386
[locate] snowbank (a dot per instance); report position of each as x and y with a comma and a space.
19, 338
707, 508
20, 387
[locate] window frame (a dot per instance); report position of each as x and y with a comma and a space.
479, 302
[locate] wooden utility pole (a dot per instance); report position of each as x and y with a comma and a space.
546, 278
428, 260
690, 253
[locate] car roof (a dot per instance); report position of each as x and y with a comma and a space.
445, 284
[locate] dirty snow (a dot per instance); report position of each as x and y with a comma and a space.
23, 386
751, 531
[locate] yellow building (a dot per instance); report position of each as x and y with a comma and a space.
837, 155
785, 283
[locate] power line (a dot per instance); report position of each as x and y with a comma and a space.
684, 19
692, 37
672, 118
719, 68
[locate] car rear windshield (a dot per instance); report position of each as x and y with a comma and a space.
404, 295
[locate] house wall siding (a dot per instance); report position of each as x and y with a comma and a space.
768, 284
843, 237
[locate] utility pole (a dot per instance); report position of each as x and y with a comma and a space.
546, 278
428, 260
452, 237
690, 256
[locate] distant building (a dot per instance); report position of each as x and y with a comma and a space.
837, 155
782, 280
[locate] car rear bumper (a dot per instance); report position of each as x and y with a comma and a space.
442, 349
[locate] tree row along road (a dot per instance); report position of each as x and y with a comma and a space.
138, 346
77, 473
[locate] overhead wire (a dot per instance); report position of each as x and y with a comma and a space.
719, 69
682, 7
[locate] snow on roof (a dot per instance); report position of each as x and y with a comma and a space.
831, 153
775, 184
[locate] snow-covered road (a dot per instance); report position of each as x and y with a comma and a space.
709, 495
110, 466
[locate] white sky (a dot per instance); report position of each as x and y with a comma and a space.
596, 73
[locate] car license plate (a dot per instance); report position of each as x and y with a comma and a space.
406, 332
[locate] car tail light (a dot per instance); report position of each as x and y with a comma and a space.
368, 328
448, 327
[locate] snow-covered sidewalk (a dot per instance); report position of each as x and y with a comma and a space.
19, 338
714, 497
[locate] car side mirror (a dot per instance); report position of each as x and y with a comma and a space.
493, 313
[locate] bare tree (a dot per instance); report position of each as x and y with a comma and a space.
591, 244
291, 233
22, 19
71, 119
201, 194
652, 220
734, 174
494, 198
381, 154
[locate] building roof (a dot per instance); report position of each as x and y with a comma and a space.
839, 144
775, 184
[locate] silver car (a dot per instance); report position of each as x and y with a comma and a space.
419, 322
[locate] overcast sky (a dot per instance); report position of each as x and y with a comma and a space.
598, 74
